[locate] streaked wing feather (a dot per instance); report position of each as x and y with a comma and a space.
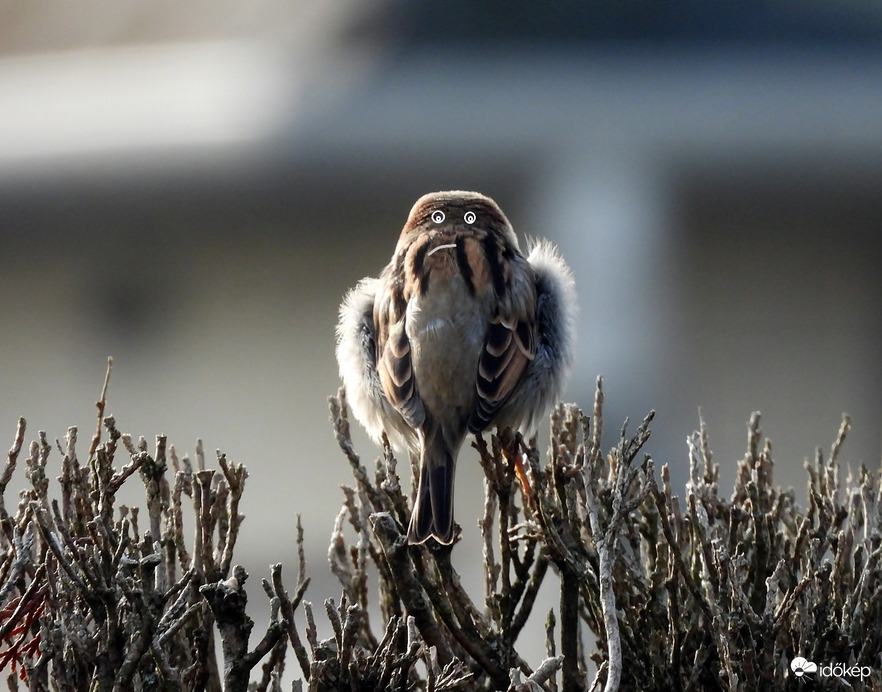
396, 376
509, 346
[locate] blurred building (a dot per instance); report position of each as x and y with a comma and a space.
192, 188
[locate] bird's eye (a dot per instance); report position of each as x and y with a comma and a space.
470, 217
437, 216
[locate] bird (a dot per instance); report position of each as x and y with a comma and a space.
460, 332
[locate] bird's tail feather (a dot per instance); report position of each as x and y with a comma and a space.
433, 509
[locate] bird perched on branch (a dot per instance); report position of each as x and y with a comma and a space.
460, 332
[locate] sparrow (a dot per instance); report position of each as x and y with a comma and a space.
459, 333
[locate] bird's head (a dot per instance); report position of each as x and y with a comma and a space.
456, 212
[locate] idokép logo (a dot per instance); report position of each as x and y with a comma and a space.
801, 667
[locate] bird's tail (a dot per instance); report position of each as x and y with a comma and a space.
433, 508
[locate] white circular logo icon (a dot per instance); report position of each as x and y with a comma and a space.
800, 666
437, 216
470, 217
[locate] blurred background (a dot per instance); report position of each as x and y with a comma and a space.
192, 187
